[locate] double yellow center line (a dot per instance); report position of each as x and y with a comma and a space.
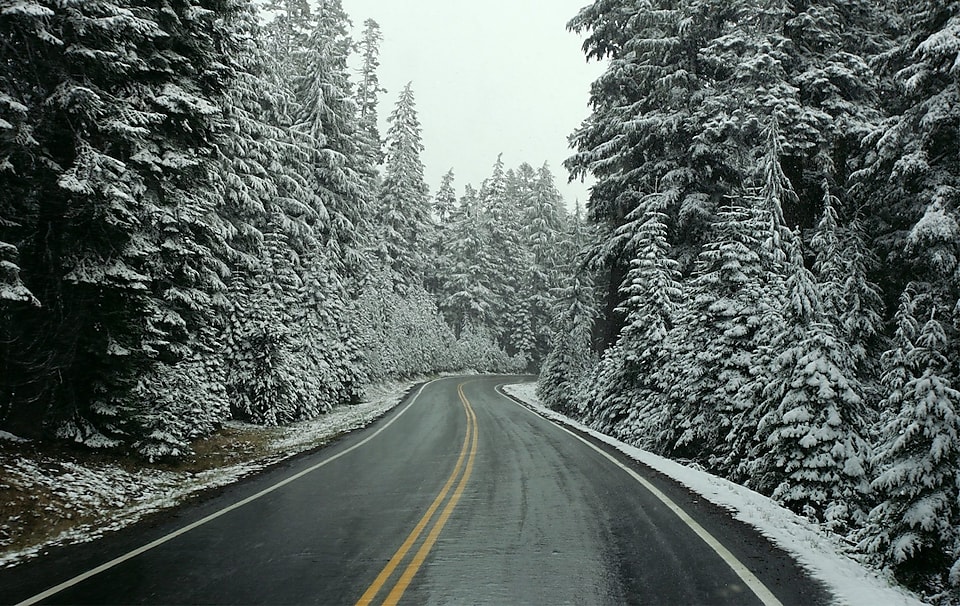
468, 453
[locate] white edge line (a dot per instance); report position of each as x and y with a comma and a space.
156, 543
756, 585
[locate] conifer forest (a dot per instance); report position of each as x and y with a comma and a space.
200, 221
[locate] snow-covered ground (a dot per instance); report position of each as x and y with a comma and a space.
83, 500
819, 552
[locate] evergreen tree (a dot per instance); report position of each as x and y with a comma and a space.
911, 176
689, 89
368, 90
403, 215
369, 87
543, 222
326, 117
465, 297
914, 528
828, 266
446, 198
113, 213
624, 393
572, 357
812, 455
860, 321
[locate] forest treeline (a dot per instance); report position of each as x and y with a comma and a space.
776, 277
200, 221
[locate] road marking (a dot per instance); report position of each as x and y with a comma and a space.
156, 543
756, 585
470, 440
401, 553
397, 592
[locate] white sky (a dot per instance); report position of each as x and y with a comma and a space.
488, 77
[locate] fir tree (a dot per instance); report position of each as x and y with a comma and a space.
117, 228
812, 455
828, 265
368, 91
326, 117
446, 198
572, 357
369, 87
403, 216
625, 396
913, 529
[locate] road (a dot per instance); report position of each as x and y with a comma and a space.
459, 496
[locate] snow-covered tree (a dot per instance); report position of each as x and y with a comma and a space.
403, 212
623, 395
326, 116
369, 89
811, 454
542, 225
914, 528
446, 199
113, 210
464, 273
828, 266
571, 358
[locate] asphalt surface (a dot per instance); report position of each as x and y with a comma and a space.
462, 497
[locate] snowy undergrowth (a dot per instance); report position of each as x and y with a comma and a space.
821, 553
48, 500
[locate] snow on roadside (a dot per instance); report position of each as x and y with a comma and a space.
5, 435
108, 497
820, 553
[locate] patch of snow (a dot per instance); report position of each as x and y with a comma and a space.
850, 582
936, 225
6, 435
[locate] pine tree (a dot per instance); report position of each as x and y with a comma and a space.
861, 320
369, 87
721, 347
446, 198
368, 91
326, 117
689, 89
913, 529
117, 228
403, 216
500, 208
624, 394
828, 265
572, 357
542, 225
812, 455
464, 279
909, 181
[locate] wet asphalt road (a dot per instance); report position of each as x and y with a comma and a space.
522, 513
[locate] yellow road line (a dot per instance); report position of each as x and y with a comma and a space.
397, 592
377, 585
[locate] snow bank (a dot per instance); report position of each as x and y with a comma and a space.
820, 553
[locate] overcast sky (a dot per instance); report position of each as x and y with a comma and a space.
488, 77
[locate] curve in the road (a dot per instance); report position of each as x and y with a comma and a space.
519, 514
470, 435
